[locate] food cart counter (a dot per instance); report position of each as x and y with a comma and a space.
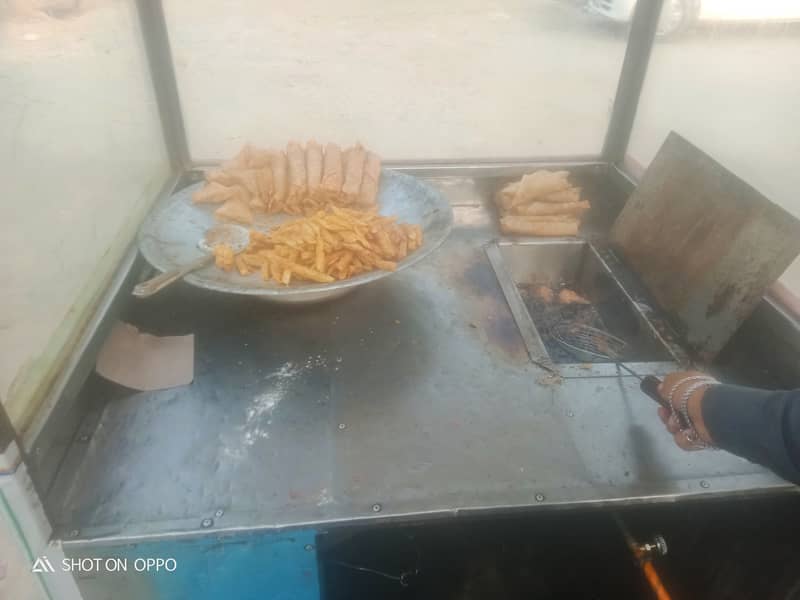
435, 393
411, 399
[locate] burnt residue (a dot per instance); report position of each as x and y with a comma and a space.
490, 318
480, 278
502, 332
674, 248
721, 299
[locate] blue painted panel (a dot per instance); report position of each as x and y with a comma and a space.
241, 566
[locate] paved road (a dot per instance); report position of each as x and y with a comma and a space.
414, 79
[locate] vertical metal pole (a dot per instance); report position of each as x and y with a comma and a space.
162, 72
631, 79
8, 436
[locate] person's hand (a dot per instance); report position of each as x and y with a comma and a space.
672, 389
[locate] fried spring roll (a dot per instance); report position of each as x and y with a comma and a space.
247, 178
368, 196
241, 160
574, 209
297, 171
220, 176
265, 185
572, 194
540, 183
212, 193
280, 181
235, 210
504, 198
332, 172
353, 172
260, 159
539, 226
313, 167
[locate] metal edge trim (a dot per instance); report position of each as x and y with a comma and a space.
474, 166
527, 329
609, 370
622, 179
678, 358
702, 494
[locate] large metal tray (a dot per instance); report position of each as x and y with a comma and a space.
168, 239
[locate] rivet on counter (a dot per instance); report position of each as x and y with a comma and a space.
704, 484
74, 533
376, 507
206, 523
342, 426
540, 497
219, 512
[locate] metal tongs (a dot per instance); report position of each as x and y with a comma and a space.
588, 343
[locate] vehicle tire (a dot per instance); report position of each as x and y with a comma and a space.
674, 18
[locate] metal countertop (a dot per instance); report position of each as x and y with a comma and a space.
411, 398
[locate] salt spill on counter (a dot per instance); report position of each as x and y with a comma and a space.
258, 414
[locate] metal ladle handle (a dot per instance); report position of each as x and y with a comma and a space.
159, 282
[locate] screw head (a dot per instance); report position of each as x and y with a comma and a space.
376, 507
206, 523
661, 545
540, 497
309, 547
342, 426
704, 484
219, 512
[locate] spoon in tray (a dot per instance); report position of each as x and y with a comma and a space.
235, 236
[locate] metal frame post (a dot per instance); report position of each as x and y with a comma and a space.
162, 71
631, 79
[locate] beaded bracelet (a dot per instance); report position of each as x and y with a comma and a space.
691, 433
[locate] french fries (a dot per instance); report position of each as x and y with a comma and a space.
328, 246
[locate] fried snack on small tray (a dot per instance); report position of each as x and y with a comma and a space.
543, 203
539, 226
299, 181
328, 246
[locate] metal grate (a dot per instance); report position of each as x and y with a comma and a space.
587, 342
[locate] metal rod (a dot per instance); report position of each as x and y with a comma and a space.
629, 370
473, 167
631, 79
165, 85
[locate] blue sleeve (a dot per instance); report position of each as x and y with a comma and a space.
759, 425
